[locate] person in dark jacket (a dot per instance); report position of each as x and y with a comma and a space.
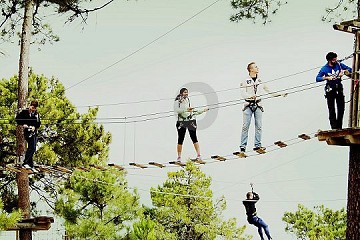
29, 118
252, 218
332, 73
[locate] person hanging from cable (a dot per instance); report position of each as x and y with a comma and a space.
29, 118
251, 89
332, 73
186, 120
252, 218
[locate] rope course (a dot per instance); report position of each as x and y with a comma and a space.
62, 172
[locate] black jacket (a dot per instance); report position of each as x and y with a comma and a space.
250, 205
24, 117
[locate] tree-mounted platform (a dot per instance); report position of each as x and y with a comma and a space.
34, 224
351, 26
341, 137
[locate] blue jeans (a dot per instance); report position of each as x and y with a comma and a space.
247, 114
260, 224
31, 148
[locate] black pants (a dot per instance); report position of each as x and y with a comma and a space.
336, 95
31, 148
181, 134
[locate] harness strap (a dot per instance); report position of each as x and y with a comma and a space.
253, 105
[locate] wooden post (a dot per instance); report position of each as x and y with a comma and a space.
353, 202
353, 199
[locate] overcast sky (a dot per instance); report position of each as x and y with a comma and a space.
115, 59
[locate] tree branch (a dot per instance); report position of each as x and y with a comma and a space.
12, 11
7, 183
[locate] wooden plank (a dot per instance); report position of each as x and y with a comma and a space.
43, 219
98, 167
12, 169
179, 163
137, 165
280, 144
240, 154
45, 169
83, 169
217, 157
354, 23
199, 161
62, 169
157, 164
351, 139
304, 136
347, 29
260, 151
115, 166
341, 137
34, 224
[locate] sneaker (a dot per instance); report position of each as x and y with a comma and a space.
21, 159
198, 158
242, 149
178, 159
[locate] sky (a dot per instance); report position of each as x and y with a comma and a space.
147, 50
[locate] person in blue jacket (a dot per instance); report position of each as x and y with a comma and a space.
332, 72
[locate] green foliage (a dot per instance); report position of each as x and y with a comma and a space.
97, 205
77, 140
66, 137
253, 10
320, 224
8, 220
185, 210
143, 229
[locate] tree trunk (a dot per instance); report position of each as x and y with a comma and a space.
22, 178
353, 205
353, 202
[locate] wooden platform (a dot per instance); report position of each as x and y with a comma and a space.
340, 137
34, 224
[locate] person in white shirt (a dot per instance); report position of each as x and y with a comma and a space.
251, 90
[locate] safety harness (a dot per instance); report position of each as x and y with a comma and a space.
186, 122
254, 104
338, 88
